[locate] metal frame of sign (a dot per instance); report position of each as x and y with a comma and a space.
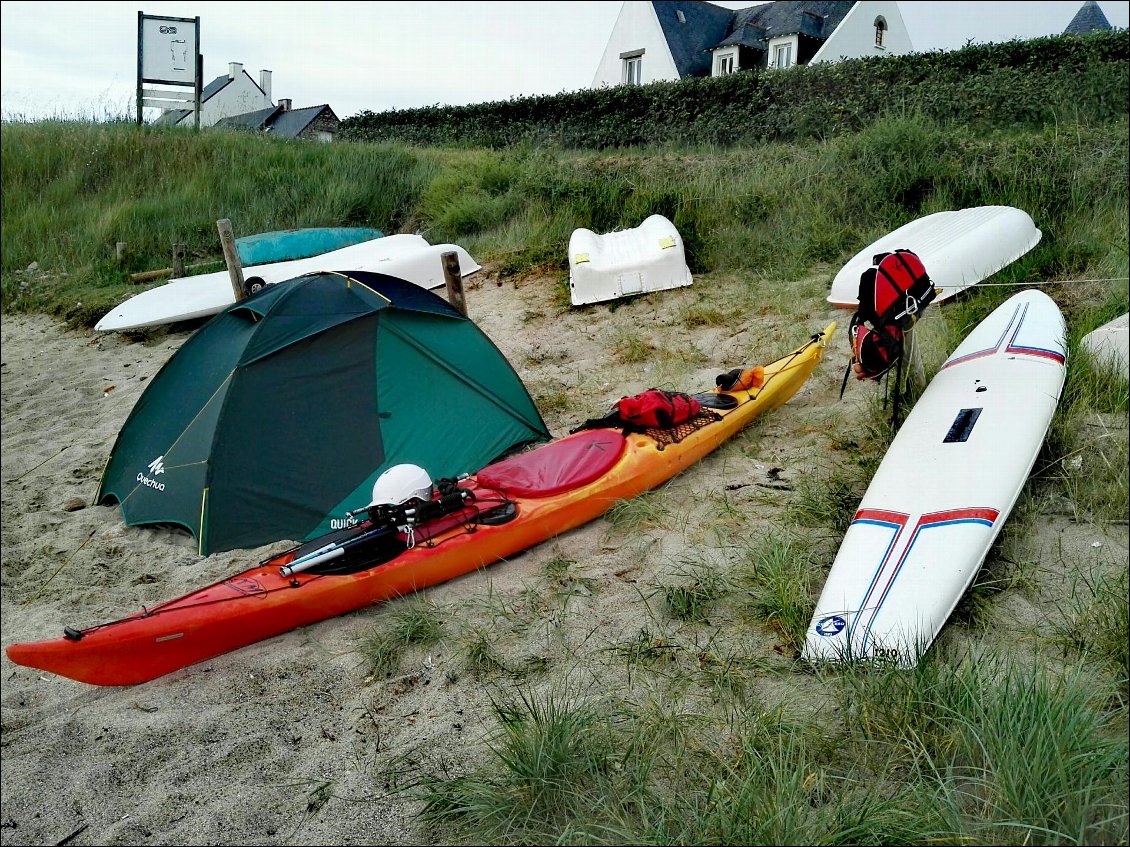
190, 73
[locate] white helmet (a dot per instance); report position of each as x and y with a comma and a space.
401, 483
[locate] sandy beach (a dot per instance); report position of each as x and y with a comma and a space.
293, 740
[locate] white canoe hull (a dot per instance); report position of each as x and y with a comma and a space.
944, 489
1110, 345
959, 249
408, 257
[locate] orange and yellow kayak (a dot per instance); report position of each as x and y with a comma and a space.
505, 508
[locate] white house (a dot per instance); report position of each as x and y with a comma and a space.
674, 39
233, 94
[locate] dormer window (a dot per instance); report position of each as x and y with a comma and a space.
725, 62
880, 30
783, 55
633, 67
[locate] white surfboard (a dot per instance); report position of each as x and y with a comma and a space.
408, 257
1110, 344
959, 249
944, 489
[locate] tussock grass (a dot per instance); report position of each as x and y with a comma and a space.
1096, 621
776, 570
631, 348
646, 648
1088, 447
417, 622
480, 653
649, 509
1036, 762
692, 598
829, 499
556, 772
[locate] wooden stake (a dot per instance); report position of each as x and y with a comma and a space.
178, 259
453, 276
147, 276
231, 256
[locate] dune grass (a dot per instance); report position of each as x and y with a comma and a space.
973, 752
73, 190
416, 622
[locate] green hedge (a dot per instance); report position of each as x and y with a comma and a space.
1081, 79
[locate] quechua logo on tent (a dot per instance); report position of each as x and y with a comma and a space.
157, 466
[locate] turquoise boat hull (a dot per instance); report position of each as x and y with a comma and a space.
288, 244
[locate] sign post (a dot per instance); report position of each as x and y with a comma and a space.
168, 53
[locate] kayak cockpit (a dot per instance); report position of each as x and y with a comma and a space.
559, 466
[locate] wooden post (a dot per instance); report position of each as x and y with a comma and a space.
453, 276
178, 260
120, 252
231, 256
149, 276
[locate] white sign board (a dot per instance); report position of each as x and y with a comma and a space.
167, 49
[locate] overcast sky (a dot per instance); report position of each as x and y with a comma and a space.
79, 59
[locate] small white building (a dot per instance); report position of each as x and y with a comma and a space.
225, 96
655, 40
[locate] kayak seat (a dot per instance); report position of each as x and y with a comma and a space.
562, 465
713, 400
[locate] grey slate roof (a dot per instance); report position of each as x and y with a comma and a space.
750, 35
706, 26
259, 119
1089, 18
214, 87
172, 117
787, 17
287, 123
291, 123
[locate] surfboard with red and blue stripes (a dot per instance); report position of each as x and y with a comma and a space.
944, 489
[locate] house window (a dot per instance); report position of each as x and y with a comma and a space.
633, 69
725, 63
782, 55
880, 31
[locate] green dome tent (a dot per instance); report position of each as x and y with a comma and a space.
276, 417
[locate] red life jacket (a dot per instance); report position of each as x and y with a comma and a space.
658, 409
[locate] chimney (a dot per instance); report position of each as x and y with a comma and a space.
284, 103
265, 83
234, 69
